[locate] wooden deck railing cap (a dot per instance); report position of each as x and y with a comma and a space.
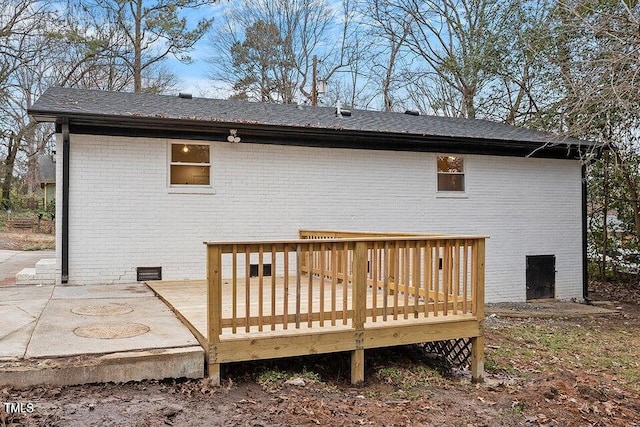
347, 240
365, 233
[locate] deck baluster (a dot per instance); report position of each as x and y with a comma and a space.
345, 255
428, 277
247, 288
322, 267
298, 283
260, 286
465, 272
436, 279
396, 277
406, 252
334, 280
374, 282
234, 280
273, 288
310, 287
285, 296
416, 278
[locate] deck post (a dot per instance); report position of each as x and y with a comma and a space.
477, 343
214, 310
357, 366
359, 303
393, 280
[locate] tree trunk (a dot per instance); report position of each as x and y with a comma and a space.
137, 49
467, 99
632, 189
8, 172
386, 85
605, 211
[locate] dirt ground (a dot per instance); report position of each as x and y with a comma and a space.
560, 371
28, 240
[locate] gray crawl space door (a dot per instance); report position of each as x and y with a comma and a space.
541, 276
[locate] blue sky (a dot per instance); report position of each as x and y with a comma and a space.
194, 77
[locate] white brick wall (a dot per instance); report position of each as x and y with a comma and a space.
122, 214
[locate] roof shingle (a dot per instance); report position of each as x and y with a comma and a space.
61, 102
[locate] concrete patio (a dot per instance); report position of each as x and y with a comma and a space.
12, 262
62, 335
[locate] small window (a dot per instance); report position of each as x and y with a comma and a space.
450, 173
190, 164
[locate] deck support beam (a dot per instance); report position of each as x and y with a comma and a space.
359, 302
477, 359
357, 367
214, 311
213, 373
477, 343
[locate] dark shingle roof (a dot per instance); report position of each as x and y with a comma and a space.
96, 106
46, 169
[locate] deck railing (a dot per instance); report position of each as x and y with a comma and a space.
335, 280
434, 272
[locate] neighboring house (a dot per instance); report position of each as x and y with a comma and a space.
147, 178
47, 178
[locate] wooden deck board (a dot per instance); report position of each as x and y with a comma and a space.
188, 298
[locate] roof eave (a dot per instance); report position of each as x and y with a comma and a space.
185, 128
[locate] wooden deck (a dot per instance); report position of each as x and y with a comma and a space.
333, 294
188, 299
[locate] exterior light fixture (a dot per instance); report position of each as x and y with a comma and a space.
233, 136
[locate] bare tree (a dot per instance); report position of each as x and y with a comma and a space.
19, 21
151, 30
521, 92
386, 22
594, 54
456, 44
297, 30
592, 61
22, 26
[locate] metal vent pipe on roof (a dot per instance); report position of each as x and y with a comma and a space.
340, 112
185, 95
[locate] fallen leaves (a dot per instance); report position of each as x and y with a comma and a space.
550, 373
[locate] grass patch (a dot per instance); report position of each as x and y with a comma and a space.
410, 381
275, 378
40, 246
543, 346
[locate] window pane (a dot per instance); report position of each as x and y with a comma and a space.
190, 153
450, 164
450, 182
190, 175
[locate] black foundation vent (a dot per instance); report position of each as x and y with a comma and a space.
148, 273
253, 270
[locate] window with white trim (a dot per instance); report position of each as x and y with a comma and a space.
450, 173
190, 164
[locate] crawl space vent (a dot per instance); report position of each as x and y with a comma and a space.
148, 273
